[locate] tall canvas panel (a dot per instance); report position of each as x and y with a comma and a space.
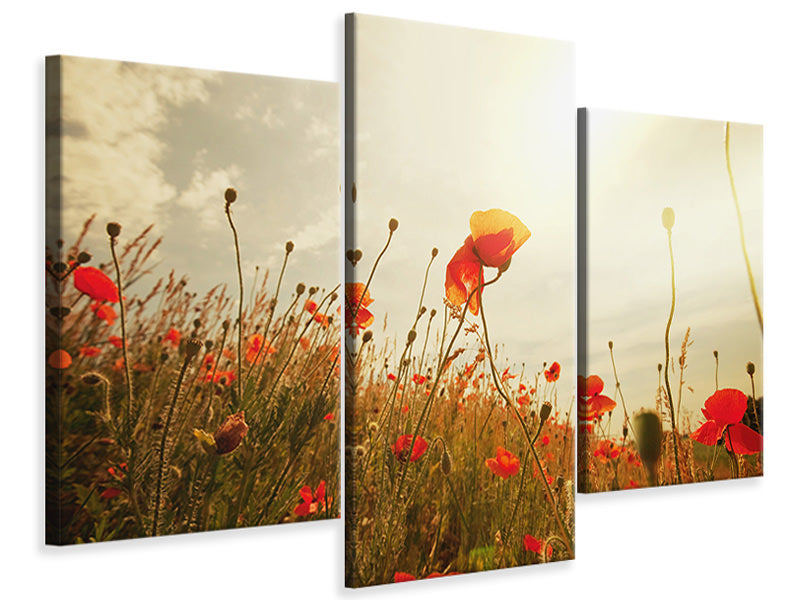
671, 253
192, 276
459, 300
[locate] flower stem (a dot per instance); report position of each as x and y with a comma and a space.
241, 298
666, 362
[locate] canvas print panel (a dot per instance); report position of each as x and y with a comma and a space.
192, 280
671, 353
459, 309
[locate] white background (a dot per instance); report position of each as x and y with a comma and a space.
720, 60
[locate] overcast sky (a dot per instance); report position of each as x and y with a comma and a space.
450, 121
149, 144
637, 165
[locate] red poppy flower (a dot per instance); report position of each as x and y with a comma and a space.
60, 359
322, 320
724, 411
403, 444
495, 236
356, 320
104, 312
504, 465
173, 336
115, 340
311, 306
606, 450
89, 351
536, 545
95, 284
523, 400
405, 409
400, 577
208, 363
110, 493
221, 377
553, 372
391, 377
419, 379
545, 440
312, 502
254, 351
328, 417
591, 403
506, 375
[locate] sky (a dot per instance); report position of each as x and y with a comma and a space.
145, 144
449, 121
637, 165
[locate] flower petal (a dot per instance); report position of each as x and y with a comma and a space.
726, 406
743, 439
708, 433
497, 234
464, 274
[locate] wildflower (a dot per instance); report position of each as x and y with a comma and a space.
104, 312
553, 372
504, 465
545, 440
173, 336
724, 411
606, 450
229, 435
254, 351
311, 306
495, 236
523, 400
419, 379
305, 344
403, 444
95, 284
591, 403
357, 317
328, 417
115, 341
222, 377
400, 577
88, 351
536, 545
405, 409
506, 375
312, 502
110, 493
60, 359
391, 377
322, 320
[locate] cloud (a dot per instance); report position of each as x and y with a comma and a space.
321, 232
112, 113
251, 110
204, 194
323, 137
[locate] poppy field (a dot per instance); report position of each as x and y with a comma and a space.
172, 411
457, 458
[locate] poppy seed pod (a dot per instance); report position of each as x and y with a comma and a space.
610, 344
230, 434
412, 335
716, 354
366, 337
289, 246
647, 425
445, 463
301, 287
334, 296
393, 224
113, 229
312, 290
433, 312
84, 257
751, 368
230, 196
434, 252
544, 411
357, 254
668, 218
193, 347
225, 325
209, 344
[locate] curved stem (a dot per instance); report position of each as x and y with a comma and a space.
666, 362
241, 297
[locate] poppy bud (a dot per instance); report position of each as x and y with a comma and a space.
610, 345
230, 434
393, 223
445, 464
625, 430
660, 366
334, 296
312, 290
209, 344
751, 368
504, 267
301, 287
230, 196
289, 247
193, 347
412, 335
60, 267
349, 256
164, 357
357, 254
272, 304
544, 411
113, 230
433, 312
366, 337
197, 323
668, 218
59, 312
226, 324
84, 257
434, 252
422, 310
648, 440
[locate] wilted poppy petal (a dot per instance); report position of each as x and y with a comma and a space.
497, 234
464, 274
726, 406
708, 433
743, 439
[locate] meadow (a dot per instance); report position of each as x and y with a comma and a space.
170, 411
457, 458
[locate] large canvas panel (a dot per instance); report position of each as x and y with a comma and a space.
671, 351
458, 435
192, 279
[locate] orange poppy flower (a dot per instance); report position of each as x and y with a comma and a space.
553, 372
60, 359
606, 450
523, 401
724, 411
305, 344
322, 320
506, 375
95, 284
104, 312
495, 236
173, 336
254, 351
88, 351
311, 502
401, 448
115, 340
591, 403
222, 377
504, 465
356, 320
311, 306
